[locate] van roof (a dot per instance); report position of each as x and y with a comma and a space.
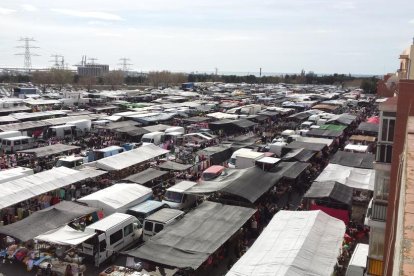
147, 206
16, 138
182, 186
214, 169
71, 158
251, 154
359, 257
110, 221
164, 215
110, 148
239, 151
62, 126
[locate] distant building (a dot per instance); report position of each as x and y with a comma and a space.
21, 92
93, 70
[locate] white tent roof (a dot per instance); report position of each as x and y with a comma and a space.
130, 158
295, 243
18, 190
66, 235
352, 177
117, 198
15, 173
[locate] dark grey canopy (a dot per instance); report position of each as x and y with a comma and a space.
368, 127
354, 159
45, 220
145, 176
332, 190
190, 241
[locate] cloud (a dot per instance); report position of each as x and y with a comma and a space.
29, 8
344, 5
89, 14
5, 11
411, 21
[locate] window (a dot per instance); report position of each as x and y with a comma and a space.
117, 236
148, 226
128, 230
25, 141
158, 227
102, 246
376, 243
382, 187
387, 129
4, 142
17, 143
384, 153
67, 132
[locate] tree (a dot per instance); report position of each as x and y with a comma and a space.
42, 79
114, 78
88, 82
61, 77
369, 85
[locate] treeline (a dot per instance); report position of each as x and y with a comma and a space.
59, 78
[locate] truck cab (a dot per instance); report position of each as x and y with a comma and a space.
155, 138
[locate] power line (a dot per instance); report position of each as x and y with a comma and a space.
92, 60
57, 61
27, 53
125, 64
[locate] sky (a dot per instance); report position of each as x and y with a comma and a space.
279, 36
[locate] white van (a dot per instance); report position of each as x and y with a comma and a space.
82, 127
357, 264
113, 234
61, 132
13, 144
175, 198
72, 162
157, 221
152, 138
232, 161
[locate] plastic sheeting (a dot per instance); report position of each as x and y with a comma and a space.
369, 127
294, 243
174, 166
352, 177
24, 188
66, 235
130, 158
117, 198
45, 220
191, 240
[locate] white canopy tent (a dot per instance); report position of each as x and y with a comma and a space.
352, 177
66, 235
295, 243
117, 198
18, 190
129, 158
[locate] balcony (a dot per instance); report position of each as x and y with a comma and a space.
379, 210
374, 267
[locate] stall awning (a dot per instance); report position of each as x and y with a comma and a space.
24, 125
145, 176
241, 182
368, 127
130, 158
299, 243
353, 159
117, 125
305, 145
302, 155
174, 166
159, 127
363, 138
317, 132
191, 240
343, 119
118, 197
25, 188
68, 119
352, 177
243, 123
66, 235
45, 220
49, 150
291, 170
330, 189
